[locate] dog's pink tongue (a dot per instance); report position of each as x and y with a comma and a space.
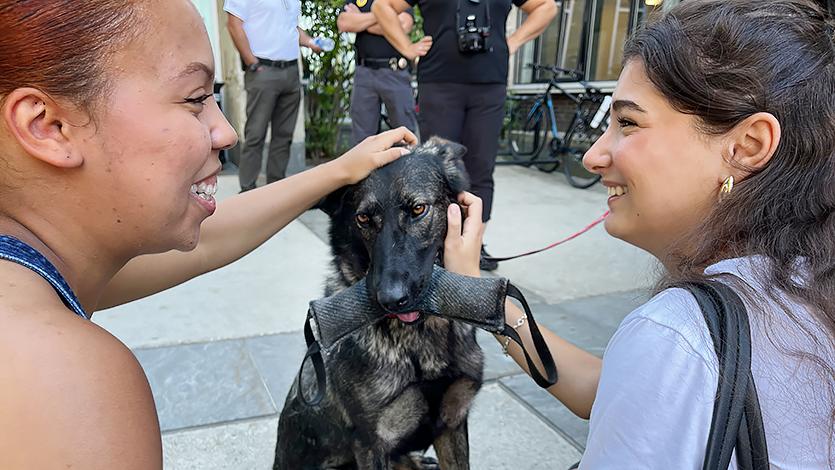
408, 317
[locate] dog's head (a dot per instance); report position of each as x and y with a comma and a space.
391, 226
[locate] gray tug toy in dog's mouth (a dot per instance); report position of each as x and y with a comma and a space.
477, 301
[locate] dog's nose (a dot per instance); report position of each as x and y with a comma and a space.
393, 300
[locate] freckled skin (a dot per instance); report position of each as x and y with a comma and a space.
88, 220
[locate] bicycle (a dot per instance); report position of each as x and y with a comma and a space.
538, 120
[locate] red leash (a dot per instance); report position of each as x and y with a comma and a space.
572, 237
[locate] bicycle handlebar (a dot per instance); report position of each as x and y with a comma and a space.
572, 73
575, 74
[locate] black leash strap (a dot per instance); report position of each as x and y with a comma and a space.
314, 353
737, 421
538, 342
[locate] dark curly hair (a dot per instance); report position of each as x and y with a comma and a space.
722, 61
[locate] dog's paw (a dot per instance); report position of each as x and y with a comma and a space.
428, 463
417, 461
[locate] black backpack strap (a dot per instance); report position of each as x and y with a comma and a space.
539, 344
752, 432
736, 422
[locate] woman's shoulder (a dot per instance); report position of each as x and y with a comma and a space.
676, 311
671, 315
659, 377
74, 391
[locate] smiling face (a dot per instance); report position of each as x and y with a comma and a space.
151, 150
662, 173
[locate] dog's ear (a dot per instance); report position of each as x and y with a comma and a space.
332, 203
451, 156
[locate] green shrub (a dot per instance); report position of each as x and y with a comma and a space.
329, 80
328, 74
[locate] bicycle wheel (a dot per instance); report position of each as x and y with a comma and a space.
527, 140
577, 142
551, 162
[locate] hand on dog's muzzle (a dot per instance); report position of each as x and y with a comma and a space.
477, 301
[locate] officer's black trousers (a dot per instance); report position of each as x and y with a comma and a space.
470, 114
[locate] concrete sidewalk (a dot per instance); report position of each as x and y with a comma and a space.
221, 351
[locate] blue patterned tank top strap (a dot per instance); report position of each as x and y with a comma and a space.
14, 250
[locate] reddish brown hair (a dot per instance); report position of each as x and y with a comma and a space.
61, 47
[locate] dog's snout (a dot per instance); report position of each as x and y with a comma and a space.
393, 299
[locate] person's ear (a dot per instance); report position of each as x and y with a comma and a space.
40, 125
754, 142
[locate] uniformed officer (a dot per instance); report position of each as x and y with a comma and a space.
267, 35
382, 74
462, 79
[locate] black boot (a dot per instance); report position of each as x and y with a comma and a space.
487, 264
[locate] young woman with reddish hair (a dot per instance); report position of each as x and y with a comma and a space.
109, 142
720, 161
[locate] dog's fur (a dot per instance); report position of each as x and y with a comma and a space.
394, 388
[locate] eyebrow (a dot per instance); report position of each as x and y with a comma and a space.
196, 67
620, 105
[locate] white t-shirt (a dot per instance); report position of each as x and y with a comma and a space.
270, 26
655, 399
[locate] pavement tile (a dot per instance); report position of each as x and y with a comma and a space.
265, 292
505, 435
607, 310
572, 428
581, 331
496, 364
532, 209
207, 383
246, 445
318, 222
591, 321
277, 358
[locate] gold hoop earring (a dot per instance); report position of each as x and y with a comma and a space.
727, 187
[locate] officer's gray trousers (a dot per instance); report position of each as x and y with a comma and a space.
272, 98
372, 87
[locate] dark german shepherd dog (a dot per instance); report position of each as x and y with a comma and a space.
407, 382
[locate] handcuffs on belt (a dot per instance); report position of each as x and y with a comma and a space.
398, 64
394, 63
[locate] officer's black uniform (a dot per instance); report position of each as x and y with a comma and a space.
381, 76
461, 95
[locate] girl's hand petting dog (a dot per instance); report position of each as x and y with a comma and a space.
374, 152
463, 247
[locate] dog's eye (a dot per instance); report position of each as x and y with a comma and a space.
418, 210
363, 219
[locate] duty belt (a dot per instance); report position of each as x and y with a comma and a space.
277, 63
394, 63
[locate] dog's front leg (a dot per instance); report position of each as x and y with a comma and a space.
456, 402
453, 448
371, 458
397, 420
